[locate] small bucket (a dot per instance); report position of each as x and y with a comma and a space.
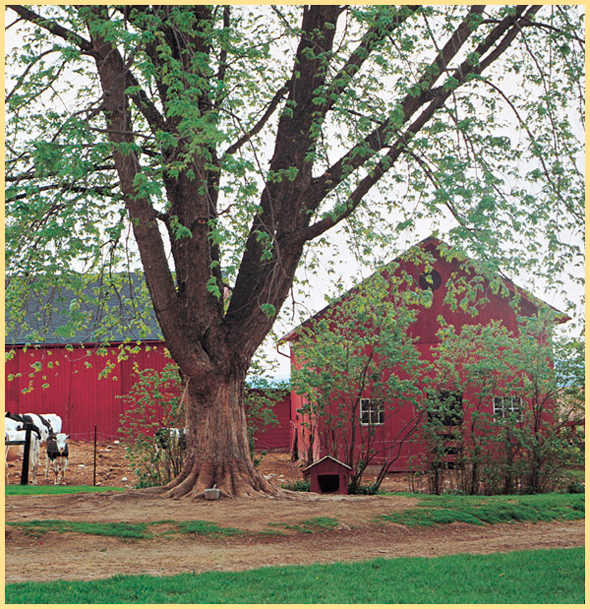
211, 494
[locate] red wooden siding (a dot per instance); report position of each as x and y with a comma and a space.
277, 437
68, 382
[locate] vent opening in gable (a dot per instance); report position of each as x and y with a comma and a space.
430, 280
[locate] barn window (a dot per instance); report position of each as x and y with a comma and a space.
431, 280
446, 407
505, 407
372, 412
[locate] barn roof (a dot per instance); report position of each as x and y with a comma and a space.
453, 254
99, 311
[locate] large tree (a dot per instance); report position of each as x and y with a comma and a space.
229, 138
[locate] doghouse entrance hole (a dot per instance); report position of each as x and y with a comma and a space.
329, 483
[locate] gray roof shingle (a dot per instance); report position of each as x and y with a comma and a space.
98, 312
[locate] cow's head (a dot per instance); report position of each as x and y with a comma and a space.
61, 441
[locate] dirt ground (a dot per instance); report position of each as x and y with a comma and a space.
112, 468
271, 528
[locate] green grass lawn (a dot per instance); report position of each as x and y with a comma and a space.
544, 576
491, 510
126, 530
13, 490
430, 511
541, 576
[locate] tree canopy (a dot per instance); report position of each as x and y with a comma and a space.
470, 112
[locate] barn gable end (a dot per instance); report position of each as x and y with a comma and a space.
498, 300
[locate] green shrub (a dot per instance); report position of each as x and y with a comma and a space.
576, 487
526, 446
298, 485
153, 403
363, 489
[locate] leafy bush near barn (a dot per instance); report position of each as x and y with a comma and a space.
299, 485
526, 443
153, 403
358, 365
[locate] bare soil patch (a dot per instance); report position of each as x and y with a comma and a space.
270, 535
112, 468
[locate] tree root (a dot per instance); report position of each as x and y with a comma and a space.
233, 480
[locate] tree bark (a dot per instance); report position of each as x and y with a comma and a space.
217, 444
218, 451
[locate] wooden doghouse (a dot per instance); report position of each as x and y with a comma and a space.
328, 475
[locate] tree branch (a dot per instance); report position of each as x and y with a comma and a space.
144, 104
260, 124
22, 77
260, 280
29, 175
370, 40
552, 28
58, 30
579, 216
223, 53
505, 34
379, 137
66, 187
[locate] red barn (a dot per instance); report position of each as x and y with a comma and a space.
67, 380
494, 304
74, 374
57, 359
276, 437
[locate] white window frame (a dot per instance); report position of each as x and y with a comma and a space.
506, 405
374, 411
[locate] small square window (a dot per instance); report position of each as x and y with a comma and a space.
372, 412
507, 406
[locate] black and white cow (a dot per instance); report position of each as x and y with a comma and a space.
14, 431
43, 425
53, 420
12, 424
41, 422
57, 453
170, 438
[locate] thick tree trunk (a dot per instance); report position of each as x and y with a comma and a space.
217, 445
